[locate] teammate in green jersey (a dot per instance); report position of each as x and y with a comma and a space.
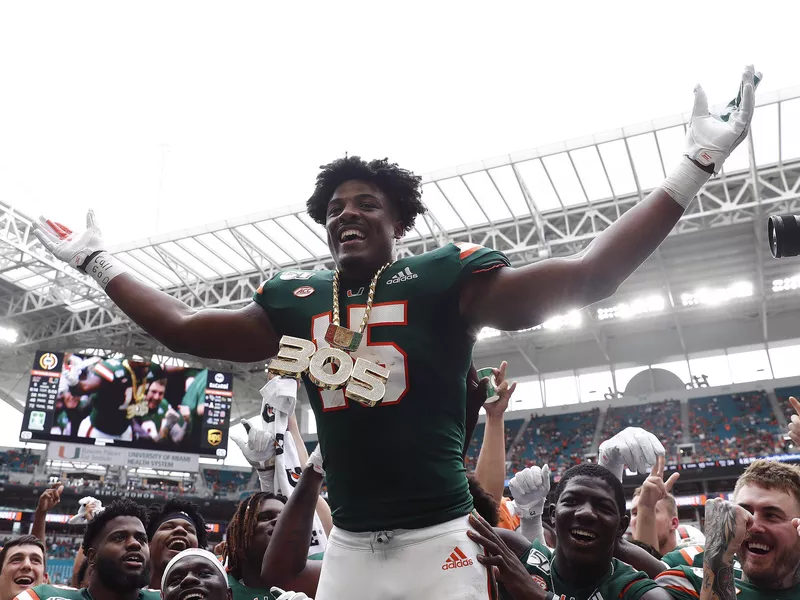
172, 528
395, 478
148, 426
760, 528
248, 536
115, 545
590, 519
23, 565
196, 574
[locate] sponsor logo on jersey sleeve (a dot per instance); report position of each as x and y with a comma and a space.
539, 560
456, 560
290, 275
404, 275
303, 291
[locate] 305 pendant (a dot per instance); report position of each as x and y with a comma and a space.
343, 338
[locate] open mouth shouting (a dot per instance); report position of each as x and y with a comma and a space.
24, 581
582, 537
351, 236
757, 548
193, 594
177, 544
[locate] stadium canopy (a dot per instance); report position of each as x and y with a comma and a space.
544, 202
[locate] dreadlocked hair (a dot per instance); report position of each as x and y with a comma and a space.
401, 186
241, 528
122, 507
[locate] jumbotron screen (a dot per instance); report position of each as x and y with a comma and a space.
129, 402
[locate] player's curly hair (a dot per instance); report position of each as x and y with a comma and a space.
401, 186
483, 501
178, 505
596, 472
122, 507
240, 531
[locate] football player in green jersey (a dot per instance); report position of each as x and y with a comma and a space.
23, 565
760, 528
248, 536
388, 469
172, 528
149, 425
590, 518
115, 545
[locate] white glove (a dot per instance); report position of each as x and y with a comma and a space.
89, 509
710, 139
258, 449
281, 394
172, 417
315, 461
67, 246
633, 446
178, 432
281, 595
530, 488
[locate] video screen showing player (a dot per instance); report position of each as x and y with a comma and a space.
128, 401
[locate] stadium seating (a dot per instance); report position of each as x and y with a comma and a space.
19, 461
474, 447
223, 482
561, 441
59, 570
660, 418
730, 425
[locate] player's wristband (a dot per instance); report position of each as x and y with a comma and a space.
103, 267
685, 181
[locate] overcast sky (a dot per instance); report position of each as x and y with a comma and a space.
166, 115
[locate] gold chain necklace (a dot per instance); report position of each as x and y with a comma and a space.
342, 337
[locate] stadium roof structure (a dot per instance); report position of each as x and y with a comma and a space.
547, 202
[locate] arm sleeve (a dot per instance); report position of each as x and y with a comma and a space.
478, 259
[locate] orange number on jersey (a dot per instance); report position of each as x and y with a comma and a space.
387, 354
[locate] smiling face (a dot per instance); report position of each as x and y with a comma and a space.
666, 524
770, 557
587, 522
121, 555
195, 578
361, 228
22, 568
170, 538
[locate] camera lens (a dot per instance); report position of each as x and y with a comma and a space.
784, 235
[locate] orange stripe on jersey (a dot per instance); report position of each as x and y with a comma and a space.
467, 249
507, 519
676, 572
685, 590
103, 372
627, 587
28, 594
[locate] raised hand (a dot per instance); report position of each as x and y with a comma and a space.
50, 497
258, 448
726, 529
61, 242
530, 488
654, 487
710, 139
503, 392
794, 423
633, 446
503, 562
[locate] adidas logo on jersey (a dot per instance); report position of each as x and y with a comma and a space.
457, 559
403, 275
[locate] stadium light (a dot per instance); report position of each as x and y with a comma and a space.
488, 332
627, 310
715, 296
572, 320
8, 335
785, 285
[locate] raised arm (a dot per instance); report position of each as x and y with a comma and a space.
286, 563
244, 335
49, 498
490, 470
513, 299
654, 489
726, 528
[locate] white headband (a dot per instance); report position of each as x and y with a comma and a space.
194, 552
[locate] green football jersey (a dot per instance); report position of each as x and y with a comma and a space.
399, 464
684, 583
243, 592
151, 422
692, 556
60, 592
622, 582
117, 402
